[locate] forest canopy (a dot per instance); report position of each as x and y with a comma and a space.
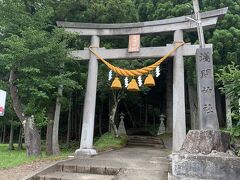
46, 86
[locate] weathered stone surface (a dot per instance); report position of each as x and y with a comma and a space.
206, 141
218, 166
179, 111
145, 53
207, 113
84, 152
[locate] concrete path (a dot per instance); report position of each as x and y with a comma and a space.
133, 163
137, 163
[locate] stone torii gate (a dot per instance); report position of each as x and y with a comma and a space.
178, 26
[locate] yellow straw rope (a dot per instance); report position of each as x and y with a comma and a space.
136, 72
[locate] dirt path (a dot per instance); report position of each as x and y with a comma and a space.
22, 171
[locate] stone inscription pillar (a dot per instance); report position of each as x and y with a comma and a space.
89, 104
179, 119
206, 94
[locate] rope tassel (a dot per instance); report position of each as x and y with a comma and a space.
149, 81
116, 84
133, 86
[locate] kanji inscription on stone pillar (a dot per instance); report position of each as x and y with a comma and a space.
205, 82
134, 43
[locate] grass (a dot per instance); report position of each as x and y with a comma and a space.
108, 141
9, 159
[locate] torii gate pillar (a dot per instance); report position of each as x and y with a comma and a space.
179, 119
89, 104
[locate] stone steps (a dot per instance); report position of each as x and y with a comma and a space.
148, 141
146, 144
75, 171
78, 168
157, 141
57, 175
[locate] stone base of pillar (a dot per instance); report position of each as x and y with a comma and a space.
205, 155
85, 152
206, 141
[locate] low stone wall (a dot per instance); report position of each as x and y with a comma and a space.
205, 155
212, 166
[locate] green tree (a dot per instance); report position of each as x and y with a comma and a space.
229, 76
32, 51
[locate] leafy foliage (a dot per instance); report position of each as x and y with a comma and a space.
229, 76
35, 50
235, 138
235, 132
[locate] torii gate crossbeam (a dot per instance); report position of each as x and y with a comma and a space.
144, 53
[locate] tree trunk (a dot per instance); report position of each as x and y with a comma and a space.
20, 138
76, 125
192, 94
154, 121
4, 134
32, 137
11, 147
146, 116
69, 120
100, 119
80, 121
228, 112
140, 113
129, 114
55, 144
220, 110
110, 105
238, 123
169, 96
73, 117
31, 133
49, 133
1, 133
112, 117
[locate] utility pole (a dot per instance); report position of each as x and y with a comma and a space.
198, 22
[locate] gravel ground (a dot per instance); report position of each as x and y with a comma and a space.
22, 171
